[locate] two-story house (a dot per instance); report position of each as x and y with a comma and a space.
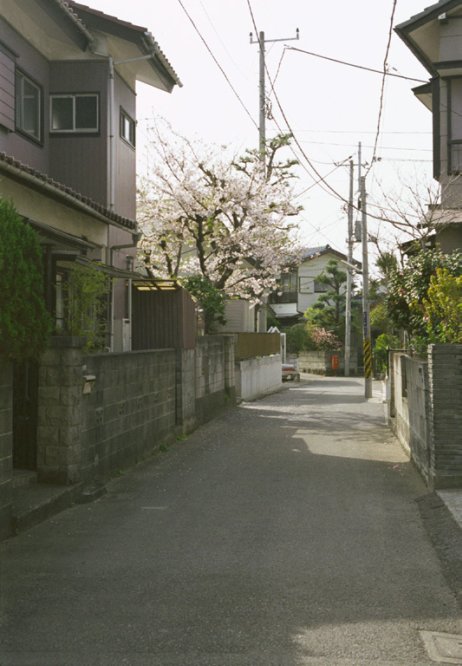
434, 36
300, 289
68, 77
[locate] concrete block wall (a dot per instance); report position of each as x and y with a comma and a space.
258, 376
186, 417
6, 445
445, 380
103, 412
410, 398
130, 410
426, 412
214, 375
59, 412
321, 363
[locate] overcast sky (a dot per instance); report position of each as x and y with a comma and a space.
329, 106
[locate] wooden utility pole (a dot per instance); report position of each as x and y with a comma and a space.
349, 284
366, 315
261, 41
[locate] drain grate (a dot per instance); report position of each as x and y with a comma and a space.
443, 648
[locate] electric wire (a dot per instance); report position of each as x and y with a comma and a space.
350, 64
217, 63
382, 89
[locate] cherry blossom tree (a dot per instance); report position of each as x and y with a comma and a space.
225, 219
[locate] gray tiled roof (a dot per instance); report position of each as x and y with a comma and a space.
8, 163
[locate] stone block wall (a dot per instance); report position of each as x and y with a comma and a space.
59, 414
326, 363
100, 413
129, 411
6, 445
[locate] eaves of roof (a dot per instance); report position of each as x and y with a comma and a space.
312, 252
430, 13
58, 191
141, 35
64, 6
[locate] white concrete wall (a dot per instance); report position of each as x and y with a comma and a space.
257, 377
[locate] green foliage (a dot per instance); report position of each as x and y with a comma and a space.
86, 292
24, 322
407, 291
384, 342
304, 337
210, 298
443, 308
298, 339
329, 310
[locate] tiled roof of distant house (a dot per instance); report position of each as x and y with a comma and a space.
311, 252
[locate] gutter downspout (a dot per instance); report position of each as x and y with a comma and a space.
135, 238
110, 134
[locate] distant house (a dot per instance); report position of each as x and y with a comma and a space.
433, 36
300, 289
68, 138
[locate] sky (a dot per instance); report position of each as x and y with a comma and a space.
329, 107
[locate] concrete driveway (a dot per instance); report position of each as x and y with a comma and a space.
284, 533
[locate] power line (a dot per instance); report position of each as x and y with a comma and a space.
350, 64
348, 145
382, 89
217, 63
322, 179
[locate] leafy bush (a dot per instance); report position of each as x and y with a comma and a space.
384, 342
24, 322
298, 339
407, 291
86, 291
443, 308
210, 298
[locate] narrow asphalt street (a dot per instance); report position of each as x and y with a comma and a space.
284, 533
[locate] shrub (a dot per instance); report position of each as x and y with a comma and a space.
24, 322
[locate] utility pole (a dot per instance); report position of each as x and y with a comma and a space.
261, 41
367, 345
349, 283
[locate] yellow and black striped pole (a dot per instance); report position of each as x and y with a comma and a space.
367, 360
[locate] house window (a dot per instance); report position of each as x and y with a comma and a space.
74, 113
306, 285
320, 288
127, 128
28, 106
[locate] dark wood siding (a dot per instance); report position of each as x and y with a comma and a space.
80, 160
163, 320
36, 67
